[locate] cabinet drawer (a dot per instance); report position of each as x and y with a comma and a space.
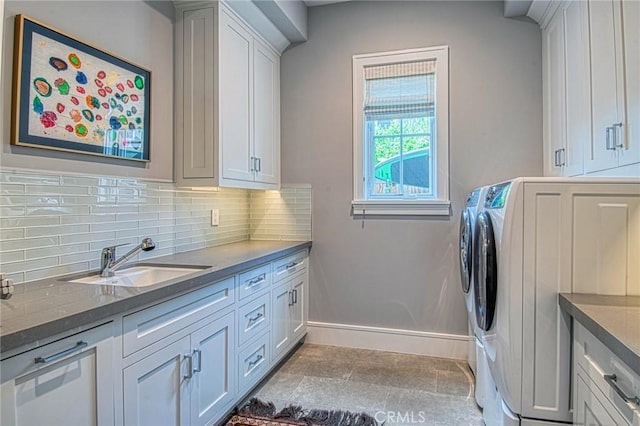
254, 281
592, 407
254, 318
253, 363
288, 266
149, 325
597, 361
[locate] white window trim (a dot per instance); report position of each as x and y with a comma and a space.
440, 206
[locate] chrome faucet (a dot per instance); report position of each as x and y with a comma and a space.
108, 262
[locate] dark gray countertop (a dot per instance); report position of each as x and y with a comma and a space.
615, 320
44, 308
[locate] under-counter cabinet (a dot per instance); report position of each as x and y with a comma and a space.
227, 101
290, 302
185, 360
66, 382
187, 382
606, 391
180, 352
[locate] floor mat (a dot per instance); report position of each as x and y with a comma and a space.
260, 413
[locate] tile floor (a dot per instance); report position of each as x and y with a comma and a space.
396, 389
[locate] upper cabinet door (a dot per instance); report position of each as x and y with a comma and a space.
266, 97
577, 78
606, 95
236, 99
631, 38
196, 126
554, 94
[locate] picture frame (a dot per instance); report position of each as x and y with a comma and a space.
71, 96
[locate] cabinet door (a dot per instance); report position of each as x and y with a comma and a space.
281, 324
577, 78
554, 94
70, 384
266, 110
195, 126
593, 410
236, 98
631, 37
213, 384
156, 388
298, 309
606, 95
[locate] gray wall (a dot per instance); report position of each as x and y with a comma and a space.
133, 30
404, 273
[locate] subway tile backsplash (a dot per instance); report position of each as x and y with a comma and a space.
281, 215
54, 224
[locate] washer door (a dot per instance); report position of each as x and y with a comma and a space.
485, 272
466, 248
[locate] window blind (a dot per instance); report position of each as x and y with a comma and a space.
405, 88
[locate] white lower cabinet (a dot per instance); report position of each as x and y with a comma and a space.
187, 382
184, 361
253, 363
154, 389
600, 379
213, 349
592, 409
289, 304
67, 382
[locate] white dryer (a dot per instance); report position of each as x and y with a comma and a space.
475, 356
532, 240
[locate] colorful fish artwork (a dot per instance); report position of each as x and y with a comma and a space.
78, 97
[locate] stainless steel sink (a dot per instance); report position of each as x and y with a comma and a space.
140, 276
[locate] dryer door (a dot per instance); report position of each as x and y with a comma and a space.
466, 248
485, 271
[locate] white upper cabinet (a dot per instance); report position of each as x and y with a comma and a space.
266, 113
631, 45
607, 108
566, 90
554, 95
227, 101
591, 95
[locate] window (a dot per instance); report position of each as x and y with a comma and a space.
401, 132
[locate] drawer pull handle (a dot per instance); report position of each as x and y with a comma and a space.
254, 319
292, 265
54, 357
257, 280
612, 380
255, 361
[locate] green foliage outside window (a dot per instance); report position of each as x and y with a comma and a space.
388, 135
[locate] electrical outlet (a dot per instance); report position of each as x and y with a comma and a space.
215, 217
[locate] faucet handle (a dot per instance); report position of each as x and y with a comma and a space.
109, 253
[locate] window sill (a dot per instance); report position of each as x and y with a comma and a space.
401, 208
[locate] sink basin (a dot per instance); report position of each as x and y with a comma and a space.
139, 276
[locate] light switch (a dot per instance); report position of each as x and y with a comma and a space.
215, 217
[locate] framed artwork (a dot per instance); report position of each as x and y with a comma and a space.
71, 96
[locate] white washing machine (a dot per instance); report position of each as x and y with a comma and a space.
476, 356
531, 240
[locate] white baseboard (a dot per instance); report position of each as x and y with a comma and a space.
388, 339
